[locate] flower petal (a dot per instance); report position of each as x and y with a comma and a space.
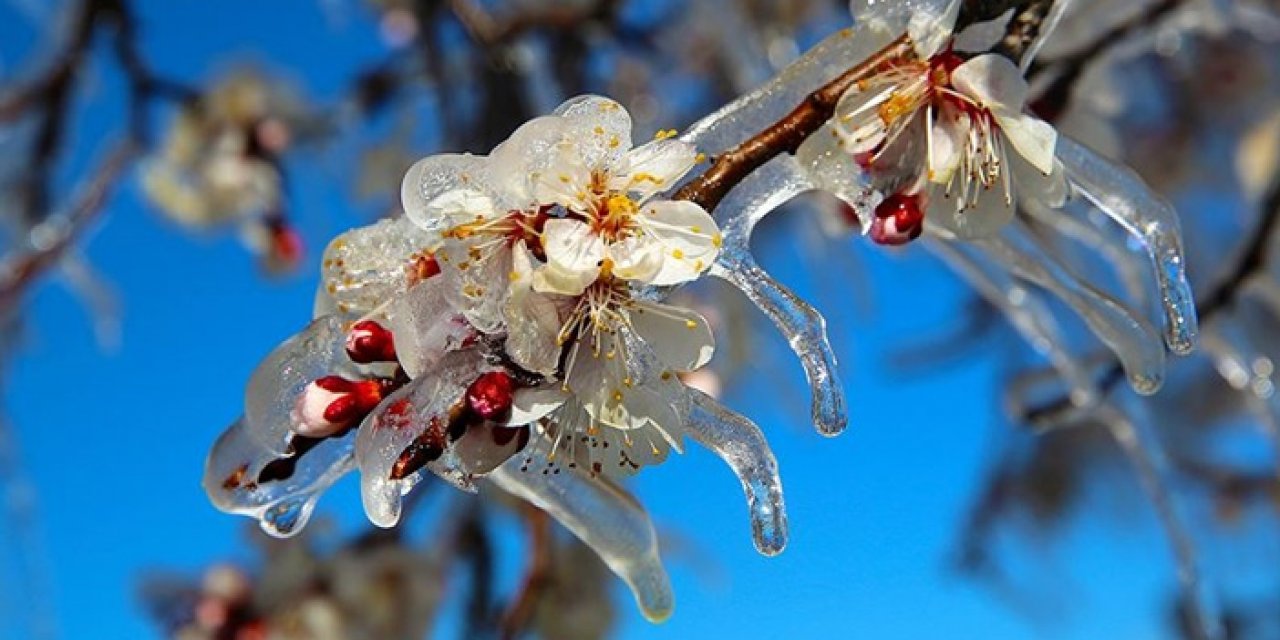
993, 81
688, 236
425, 326
1034, 139
680, 338
653, 167
533, 403
528, 152
365, 267
533, 320
574, 254
437, 188
982, 219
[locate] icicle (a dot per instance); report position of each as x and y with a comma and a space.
1110, 246
603, 516
233, 479
1123, 196
1147, 458
740, 443
275, 386
1025, 310
802, 326
1135, 343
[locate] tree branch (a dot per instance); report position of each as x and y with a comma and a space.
787, 134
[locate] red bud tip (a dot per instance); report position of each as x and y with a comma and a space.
491, 394
369, 342
899, 219
332, 404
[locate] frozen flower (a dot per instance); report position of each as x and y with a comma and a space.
219, 166
510, 327
947, 137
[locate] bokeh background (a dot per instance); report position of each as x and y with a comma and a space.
110, 408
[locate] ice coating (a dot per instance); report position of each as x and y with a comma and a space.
1125, 198
281, 506
603, 516
1147, 457
1024, 309
274, 388
1135, 343
832, 169
741, 444
435, 185
1071, 223
768, 103
928, 22
801, 324
422, 406
367, 266
425, 326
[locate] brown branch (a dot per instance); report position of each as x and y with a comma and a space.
21, 270
1023, 29
536, 577
787, 134
1055, 97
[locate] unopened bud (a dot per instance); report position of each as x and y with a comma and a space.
490, 395
369, 342
899, 219
332, 404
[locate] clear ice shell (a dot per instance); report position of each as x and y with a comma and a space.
1121, 194
274, 388
1025, 309
801, 324
1070, 222
425, 403
768, 103
603, 516
741, 444
435, 176
282, 507
365, 267
424, 326
1135, 343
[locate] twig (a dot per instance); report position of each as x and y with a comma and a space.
489, 30
787, 134
1023, 29
17, 272
1055, 97
536, 577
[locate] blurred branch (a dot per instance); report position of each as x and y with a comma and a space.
1056, 97
536, 578
17, 272
1023, 29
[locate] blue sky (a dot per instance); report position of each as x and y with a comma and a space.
114, 439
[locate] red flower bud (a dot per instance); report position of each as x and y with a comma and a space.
369, 342
333, 403
899, 220
490, 395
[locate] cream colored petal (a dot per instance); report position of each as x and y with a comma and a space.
636, 258
533, 403
993, 81
680, 338
984, 218
688, 236
574, 254
654, 167
1033, 138
565, 182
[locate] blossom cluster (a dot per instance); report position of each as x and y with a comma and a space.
510, 326
513, 326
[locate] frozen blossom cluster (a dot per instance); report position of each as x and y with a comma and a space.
513, 328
